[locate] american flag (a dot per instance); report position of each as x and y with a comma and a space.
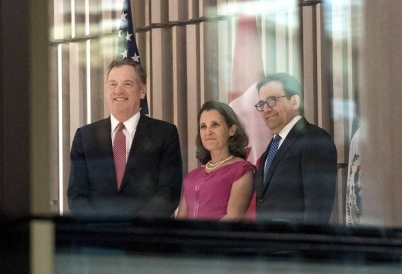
127, 45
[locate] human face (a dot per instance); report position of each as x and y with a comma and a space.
285, 109
214, 132
124, 92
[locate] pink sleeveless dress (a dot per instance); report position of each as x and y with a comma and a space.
207, 194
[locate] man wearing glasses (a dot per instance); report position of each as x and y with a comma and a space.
296, 177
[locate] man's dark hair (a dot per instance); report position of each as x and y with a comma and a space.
290, 86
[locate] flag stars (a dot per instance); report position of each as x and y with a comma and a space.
136, 57
128, 36
126, 44
124, 54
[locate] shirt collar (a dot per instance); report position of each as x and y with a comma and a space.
131, 124
285, 131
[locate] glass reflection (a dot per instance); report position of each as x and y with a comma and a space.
318, 42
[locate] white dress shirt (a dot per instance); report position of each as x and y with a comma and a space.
129, 130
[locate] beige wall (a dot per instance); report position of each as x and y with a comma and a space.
381, 111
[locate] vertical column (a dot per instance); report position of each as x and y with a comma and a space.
193, 91
381, 110
309, 63
161, 63
179, 71
161, 74
39, 132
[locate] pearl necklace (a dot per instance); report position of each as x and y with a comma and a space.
211, 167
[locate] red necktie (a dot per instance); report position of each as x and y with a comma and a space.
119, 154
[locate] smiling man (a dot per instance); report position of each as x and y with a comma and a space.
296, 177
127, 165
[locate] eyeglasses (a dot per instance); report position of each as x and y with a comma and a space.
271, 102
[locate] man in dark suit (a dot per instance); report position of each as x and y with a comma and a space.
146, 181
297, 183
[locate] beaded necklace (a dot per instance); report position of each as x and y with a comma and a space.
211, 167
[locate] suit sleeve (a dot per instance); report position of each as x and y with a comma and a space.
78, 187
167, 196
319, 178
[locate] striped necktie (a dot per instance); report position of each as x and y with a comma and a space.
271, 154
119, 154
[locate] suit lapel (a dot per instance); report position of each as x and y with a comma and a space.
294, 133
102, 133
140, 139
261, 168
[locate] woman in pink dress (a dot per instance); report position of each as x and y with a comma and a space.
222, 188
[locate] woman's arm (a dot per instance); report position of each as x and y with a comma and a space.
240, 197
183, 209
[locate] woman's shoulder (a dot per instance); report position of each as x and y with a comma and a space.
242, 163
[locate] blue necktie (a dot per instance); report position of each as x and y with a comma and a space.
271, 154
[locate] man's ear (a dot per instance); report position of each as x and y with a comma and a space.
295, 100
143, 91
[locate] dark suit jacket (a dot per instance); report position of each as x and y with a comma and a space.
301, 181
151, 184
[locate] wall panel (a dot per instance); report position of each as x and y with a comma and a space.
159, 14
381, 127
161, 65
193, 91
309, 64
193, 9
179, 87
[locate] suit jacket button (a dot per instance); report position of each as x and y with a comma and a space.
261, 200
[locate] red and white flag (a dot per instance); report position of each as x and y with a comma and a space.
247, 71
